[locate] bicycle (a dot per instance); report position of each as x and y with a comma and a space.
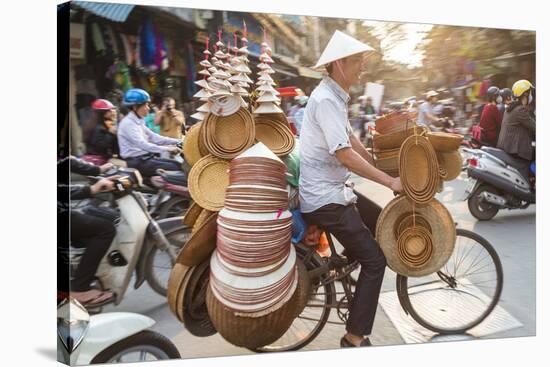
452, 287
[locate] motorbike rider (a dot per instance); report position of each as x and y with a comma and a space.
426, 111
504, 99
139, 146
519, 127
329, 152
100, 131
89, 231
491, 118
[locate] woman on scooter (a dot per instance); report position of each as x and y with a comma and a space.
100, 133
519, 127
491, 118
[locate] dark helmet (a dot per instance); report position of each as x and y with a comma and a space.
492, 93
506, 93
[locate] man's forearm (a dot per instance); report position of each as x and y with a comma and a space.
358, 165
361, 150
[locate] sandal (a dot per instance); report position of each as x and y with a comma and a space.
344, 343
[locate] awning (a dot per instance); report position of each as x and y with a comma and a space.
114, 12
309, 73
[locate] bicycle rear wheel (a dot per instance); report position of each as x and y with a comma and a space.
459, 296
314, 316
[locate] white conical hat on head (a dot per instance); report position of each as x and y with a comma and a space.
340, 46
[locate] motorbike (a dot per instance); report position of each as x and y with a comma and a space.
495, 183
142, 245
116, 337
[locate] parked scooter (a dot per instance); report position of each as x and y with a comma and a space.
141, 245
495, 183
116, 337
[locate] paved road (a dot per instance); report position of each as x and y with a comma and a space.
511, 232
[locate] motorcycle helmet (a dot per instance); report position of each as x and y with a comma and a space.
102, 105
521, 86
492, 93
506, 93
135, 96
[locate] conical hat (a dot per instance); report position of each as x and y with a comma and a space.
267, 88
267, 108
202, 93
204, 72
205, 63
238, 78
199, 116
266, 77
238, 89
202, 83
242, 68
244, 50
212, 69
340, 46
204, 108
268, 97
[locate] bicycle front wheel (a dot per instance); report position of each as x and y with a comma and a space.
461, 294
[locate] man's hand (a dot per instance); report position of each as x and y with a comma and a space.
104, 185
395, 185
174, 149
104, 168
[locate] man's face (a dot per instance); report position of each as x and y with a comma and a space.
353, 65
433, 100
369, 102
170, 104
143, 110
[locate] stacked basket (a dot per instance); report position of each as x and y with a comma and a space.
415, 231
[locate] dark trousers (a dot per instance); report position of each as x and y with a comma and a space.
353, 226
148, 165
95, 234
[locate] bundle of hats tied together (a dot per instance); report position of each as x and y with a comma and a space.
238, 273
255, 289
415, 231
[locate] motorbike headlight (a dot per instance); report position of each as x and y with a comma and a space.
72, 323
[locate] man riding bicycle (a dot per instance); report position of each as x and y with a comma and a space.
329, 152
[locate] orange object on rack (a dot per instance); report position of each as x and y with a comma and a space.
323, 249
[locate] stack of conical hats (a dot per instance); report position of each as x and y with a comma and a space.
254, 287
267, 101
205, 90
272, 127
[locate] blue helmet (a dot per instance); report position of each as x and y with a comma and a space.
135, 96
